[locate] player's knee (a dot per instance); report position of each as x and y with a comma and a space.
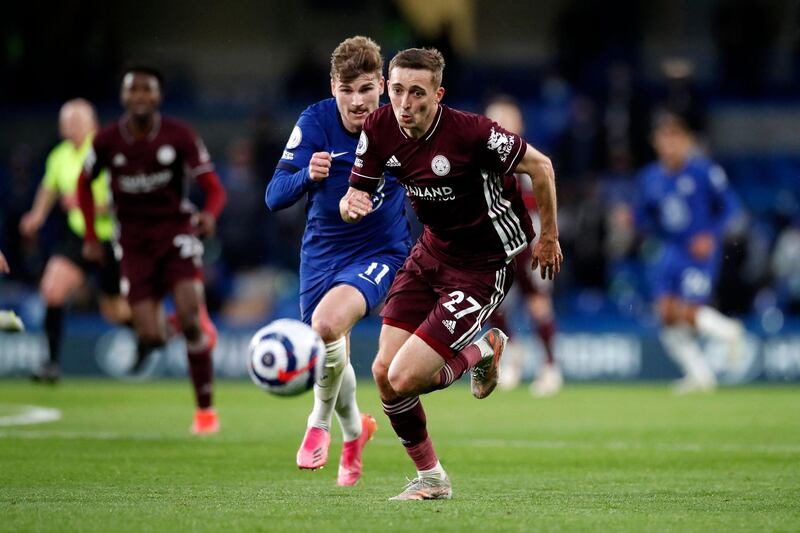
53, 296
380, 372
402, 383
326, 328
191, 330
115, 311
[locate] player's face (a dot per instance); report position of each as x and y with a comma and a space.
415, 99
507, 115
141, 94
75, 123
672, 143
357, 98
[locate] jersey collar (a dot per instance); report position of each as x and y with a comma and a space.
431, 130
123, 128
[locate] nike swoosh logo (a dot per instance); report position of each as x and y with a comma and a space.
284, 376
334, 155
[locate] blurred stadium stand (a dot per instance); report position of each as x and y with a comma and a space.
587, 73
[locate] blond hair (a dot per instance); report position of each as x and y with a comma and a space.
356, 56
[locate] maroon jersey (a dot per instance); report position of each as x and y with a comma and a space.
458, 179
149, 176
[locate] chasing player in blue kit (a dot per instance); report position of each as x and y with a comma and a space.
686, 203
345, 270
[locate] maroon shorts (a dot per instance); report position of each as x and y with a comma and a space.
444, 305
154, 260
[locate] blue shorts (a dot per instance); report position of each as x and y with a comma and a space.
676, 273
372, 277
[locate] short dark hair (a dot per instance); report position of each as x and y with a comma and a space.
356, 56
143, 68
420, 59
686, 119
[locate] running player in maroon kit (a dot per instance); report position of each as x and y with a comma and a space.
150, 159
457, 168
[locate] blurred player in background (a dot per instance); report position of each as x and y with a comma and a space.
536, 291
685, 202
66, 269
457, 170
9, 321
150, 158
345, 270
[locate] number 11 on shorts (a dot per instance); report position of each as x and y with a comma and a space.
370, 272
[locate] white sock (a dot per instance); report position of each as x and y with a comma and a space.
326, 389
437, 472
484, 346
714, 324
346, 406
681, 345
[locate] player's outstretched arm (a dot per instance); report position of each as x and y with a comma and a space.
206, 221
286, 187
355, 205
547, 251
42, 205
92, 249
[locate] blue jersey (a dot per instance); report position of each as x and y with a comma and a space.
329, 243
676, 206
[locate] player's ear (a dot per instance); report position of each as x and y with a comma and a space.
439, 94
333, 87
381, 85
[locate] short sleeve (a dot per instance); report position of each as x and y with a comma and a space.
197, 159
50, 179
499, 149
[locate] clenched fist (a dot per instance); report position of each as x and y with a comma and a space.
355, 205
320, 166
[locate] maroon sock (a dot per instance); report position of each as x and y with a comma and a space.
201, 370
410, 424
423, 455
455, 367
546, 332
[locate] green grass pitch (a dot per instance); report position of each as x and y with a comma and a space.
595, 458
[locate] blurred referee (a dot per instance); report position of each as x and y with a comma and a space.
66, 269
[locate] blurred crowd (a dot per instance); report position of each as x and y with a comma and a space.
589, 109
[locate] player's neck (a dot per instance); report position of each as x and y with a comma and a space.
78, 140
424, 127
675, 165
141, 125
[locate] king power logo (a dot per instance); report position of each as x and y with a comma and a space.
433, 194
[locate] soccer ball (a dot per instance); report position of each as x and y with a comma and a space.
285, 357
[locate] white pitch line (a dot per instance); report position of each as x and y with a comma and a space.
29, 415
